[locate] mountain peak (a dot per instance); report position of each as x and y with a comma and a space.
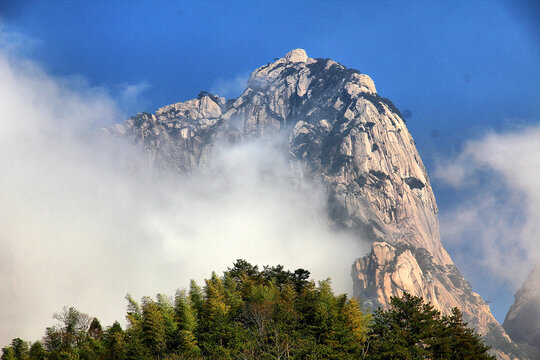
296, 55
355, 144
522, 321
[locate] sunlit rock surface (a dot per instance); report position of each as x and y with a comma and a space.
357, 145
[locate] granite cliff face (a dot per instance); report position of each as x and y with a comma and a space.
522, 321
357, 145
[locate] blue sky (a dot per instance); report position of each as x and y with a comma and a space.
461, 69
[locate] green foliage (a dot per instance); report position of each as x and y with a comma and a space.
37, 351
411, 329
52, 339
153, 327
252, 314
462, 342
95, 330
20, 348
8, 353
114, 340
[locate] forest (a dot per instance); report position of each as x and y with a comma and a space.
248, 313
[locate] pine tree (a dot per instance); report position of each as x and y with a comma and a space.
247, 314
37, 351
404, 331
464, 343
20, 348
357, 320
8, 353
153, 328
115, 342
167, 310
186, 320
134, 344
185, 315
214, 319
411, 329
52, 339
134, 313
95, 330
195, 297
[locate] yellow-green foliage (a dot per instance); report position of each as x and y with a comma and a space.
255, 314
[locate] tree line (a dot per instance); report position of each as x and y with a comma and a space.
257, 314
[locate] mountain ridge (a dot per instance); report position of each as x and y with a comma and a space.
522, 322
357, 145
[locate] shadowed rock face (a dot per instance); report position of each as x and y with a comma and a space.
357, 145
522, 321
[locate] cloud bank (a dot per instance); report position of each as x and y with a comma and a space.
497, 225
80, 228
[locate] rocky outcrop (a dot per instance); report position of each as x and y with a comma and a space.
522, 321
178, 135
390, 270
357, 145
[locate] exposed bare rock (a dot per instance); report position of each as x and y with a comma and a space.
392, 270
522, 321
176, 135
357, 145
297, 55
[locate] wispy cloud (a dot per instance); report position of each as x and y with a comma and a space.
497, 222
130, 96
230, 87
14, 42
81, 228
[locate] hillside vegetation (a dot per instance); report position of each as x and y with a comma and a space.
252, 314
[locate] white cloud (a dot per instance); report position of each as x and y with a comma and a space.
498, 223
79, 228
130, 96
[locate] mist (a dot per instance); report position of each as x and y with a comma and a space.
80, 227
495, 228
230, 87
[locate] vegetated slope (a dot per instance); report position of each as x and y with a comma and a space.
357, 145
253, 314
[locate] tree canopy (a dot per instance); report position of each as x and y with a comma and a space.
248, 313
411, 329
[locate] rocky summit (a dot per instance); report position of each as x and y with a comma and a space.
355, 143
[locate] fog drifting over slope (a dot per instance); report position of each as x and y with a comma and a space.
82, 228
498, 225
